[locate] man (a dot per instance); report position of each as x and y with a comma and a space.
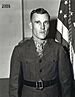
40, 67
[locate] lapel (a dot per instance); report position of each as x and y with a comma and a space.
32, 48
47, 47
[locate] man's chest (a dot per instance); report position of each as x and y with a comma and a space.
34, 66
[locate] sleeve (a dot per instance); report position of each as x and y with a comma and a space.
65, 73
14, 73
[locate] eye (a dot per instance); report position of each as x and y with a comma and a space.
46, 22
37, 22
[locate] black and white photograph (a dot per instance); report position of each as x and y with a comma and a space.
37, 48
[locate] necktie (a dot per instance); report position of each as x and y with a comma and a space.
39, 49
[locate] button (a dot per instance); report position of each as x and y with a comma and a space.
40, 60
40, 70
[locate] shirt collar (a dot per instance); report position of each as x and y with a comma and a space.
39, 43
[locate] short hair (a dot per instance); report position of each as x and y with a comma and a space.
39, 11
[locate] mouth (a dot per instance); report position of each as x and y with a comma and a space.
42, 32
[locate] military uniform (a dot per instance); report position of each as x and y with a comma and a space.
27, 65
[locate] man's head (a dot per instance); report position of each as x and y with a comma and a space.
40, 22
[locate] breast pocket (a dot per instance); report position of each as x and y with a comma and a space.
51, 67
28, 66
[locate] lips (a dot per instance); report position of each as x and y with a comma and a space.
42, 32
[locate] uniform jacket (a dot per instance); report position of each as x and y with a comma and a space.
27, 65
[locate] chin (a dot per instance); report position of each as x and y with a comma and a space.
42, 38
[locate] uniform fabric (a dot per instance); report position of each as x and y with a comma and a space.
27, 65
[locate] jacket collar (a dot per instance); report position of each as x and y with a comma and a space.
46, 48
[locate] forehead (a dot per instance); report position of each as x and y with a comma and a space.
40, 17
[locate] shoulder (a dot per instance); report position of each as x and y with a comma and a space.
24, 40
22, 44
55, 44
59, 47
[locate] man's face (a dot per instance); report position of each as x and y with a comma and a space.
40, 25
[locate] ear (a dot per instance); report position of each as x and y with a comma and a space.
30, 24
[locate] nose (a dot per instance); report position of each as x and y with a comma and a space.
42, 26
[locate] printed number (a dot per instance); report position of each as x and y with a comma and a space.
5, 5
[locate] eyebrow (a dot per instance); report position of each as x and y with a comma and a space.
47, 21
39, 21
